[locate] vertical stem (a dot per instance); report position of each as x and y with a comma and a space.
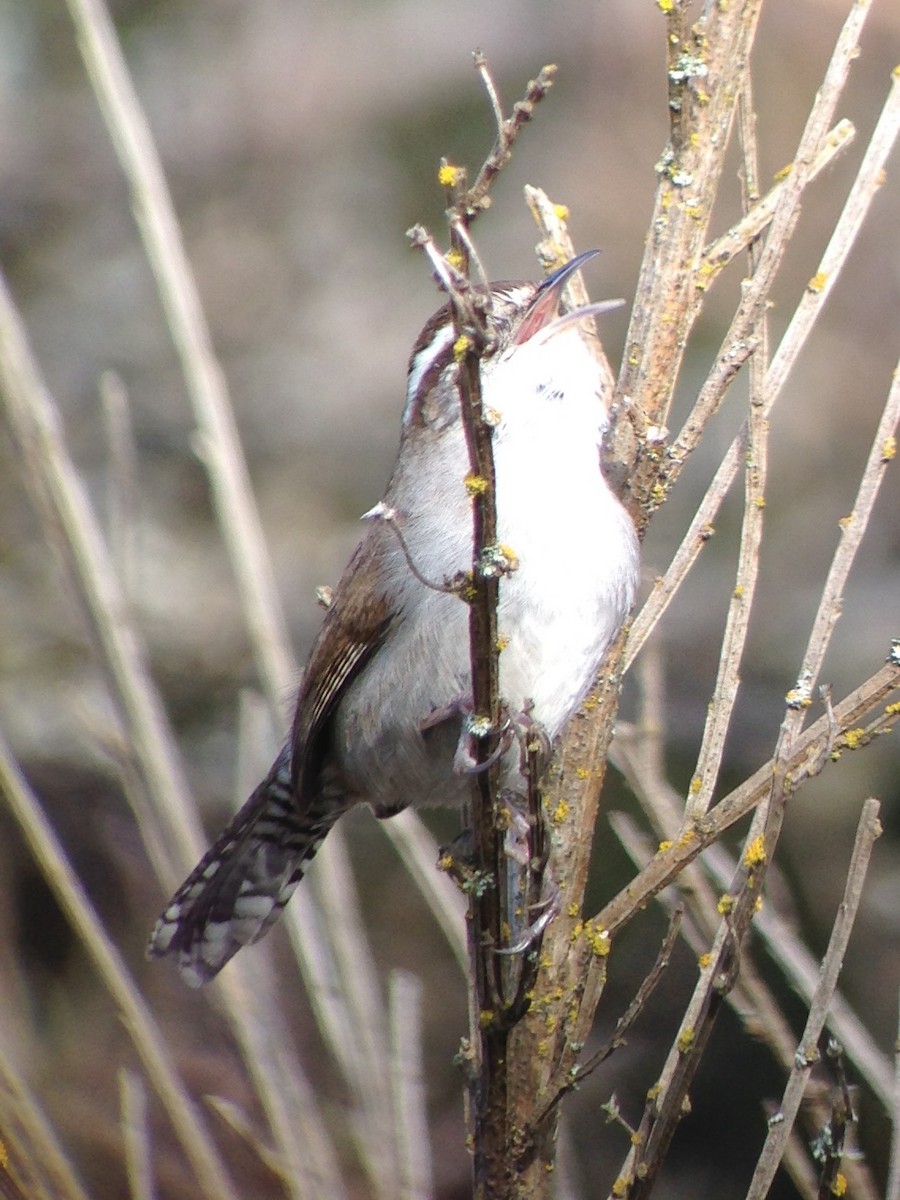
489, 1032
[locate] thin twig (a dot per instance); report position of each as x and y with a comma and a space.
738, 342
707, 64
807, 1053
753, 1002
865, 186
810, 755
719, 253
737, 623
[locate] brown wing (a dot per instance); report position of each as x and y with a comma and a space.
354, 628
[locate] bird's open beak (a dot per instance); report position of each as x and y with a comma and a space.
544, 306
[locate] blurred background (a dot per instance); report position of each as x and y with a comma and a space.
300, 141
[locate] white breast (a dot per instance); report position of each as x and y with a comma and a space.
558, 612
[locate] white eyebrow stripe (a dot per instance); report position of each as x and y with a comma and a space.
438, 345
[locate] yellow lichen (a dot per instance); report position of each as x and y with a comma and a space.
664, 846
704, 960
889, 449
449, 175
622, 1185
561, 211
817, 283
461, 347
755, 854
572, 910
455, 259
725, 905
598, 939
502, 642
475, 485
560, 811
839, 1187
685, 1040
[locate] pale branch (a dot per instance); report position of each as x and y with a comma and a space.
508, 129
801, 971
738, 341
725, 248
217, 441
553, 250
737, 623
751, 999
813, 750
162, 804
633, 754
707, 64
865, 185
882, 454
807, 1051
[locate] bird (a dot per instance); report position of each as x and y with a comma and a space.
381, 705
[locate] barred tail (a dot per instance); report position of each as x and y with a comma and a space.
238, 889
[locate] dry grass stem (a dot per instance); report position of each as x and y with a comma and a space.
419, 852
408, 1087
70, 526
893, 1182
30, 1140
217, 440
148, 1040
136, 1136
309, 1167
